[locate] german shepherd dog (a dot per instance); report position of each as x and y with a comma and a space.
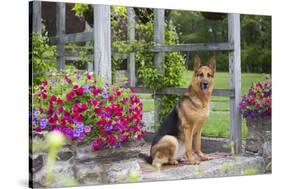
184, 123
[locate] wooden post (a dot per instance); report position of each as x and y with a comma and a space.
235, 79
36, 20
131, 37
102, 42
60, 25
159, 57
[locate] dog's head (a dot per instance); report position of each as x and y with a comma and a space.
203, 77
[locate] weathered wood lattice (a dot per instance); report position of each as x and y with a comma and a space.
102, 53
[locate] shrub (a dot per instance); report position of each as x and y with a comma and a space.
257, 103
87, 109
42, 57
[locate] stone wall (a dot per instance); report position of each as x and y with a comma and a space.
79, 162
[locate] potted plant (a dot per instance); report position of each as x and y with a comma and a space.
256, 108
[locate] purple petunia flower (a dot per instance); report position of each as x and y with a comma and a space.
53, 81
43, 123
118, 145
36, 113
82, 136
35, 120
101, 104
79, 124
68, 131
108, 127
86, 89
76, 134
105, 94
78, 76
106, 86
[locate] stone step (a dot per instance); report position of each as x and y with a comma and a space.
227, 166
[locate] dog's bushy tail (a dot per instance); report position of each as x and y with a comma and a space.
146, 158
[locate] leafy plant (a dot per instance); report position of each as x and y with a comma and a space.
85, 52
257, 102
148, 75
42, 57
80, 9
173, 65
86, 109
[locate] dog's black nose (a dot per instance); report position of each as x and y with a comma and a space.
205, 83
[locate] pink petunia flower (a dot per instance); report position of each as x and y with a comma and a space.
87, 128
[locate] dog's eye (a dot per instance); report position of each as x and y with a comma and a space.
209, 75
200, 75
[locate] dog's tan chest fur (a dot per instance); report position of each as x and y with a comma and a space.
194, 112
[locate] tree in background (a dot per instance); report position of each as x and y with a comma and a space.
192, 27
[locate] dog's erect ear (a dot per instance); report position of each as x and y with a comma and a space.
212, 63
197, 62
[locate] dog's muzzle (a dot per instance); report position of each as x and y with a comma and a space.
204, 87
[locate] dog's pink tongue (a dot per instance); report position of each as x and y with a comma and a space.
205, 91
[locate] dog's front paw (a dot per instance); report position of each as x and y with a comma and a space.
194, 161
203, 157
173, 162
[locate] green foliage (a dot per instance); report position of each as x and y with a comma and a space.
148, 75
80, 9
55, 140
173, 66
256, 43
84, 51
43, 57
255, 38
250, 171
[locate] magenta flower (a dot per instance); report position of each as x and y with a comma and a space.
87, 128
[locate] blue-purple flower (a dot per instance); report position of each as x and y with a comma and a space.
43, 123
105, 94
106, 86
78, 76
35, 120
36, 113
79, 129
53, 81
86, 89
108, 127
117, 144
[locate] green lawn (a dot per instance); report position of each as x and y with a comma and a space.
219, 119
222, 80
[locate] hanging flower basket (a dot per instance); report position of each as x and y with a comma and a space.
213, 15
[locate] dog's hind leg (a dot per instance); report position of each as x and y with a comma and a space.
164, 151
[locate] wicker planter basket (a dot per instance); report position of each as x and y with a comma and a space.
213, 15
259, 139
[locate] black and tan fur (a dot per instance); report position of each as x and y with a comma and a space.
183, 125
